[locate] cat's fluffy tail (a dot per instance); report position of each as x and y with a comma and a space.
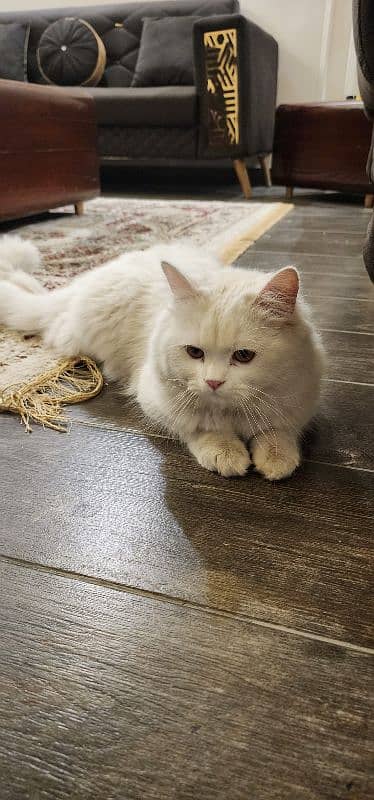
24, 304
16, 254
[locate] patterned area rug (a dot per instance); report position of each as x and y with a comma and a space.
33, 383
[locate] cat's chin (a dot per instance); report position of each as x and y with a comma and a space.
214, 400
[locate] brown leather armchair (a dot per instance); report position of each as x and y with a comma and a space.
48, 150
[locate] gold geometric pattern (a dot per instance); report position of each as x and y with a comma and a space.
221, 58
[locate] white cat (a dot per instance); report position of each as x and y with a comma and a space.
220, 357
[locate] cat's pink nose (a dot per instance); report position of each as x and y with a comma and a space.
214, 384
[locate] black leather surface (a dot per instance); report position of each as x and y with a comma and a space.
120, 27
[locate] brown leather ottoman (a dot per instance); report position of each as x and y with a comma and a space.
322, 146
48, 149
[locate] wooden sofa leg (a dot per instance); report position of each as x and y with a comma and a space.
289, 193
243, 177
79, 209
369, 201
265, 166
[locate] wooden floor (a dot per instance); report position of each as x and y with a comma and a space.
168, 634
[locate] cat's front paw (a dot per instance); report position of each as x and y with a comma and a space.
275, 457
228, 457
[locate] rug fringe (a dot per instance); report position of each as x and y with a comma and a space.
70, 381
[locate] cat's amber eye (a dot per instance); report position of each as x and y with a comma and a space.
194, 352
243, 356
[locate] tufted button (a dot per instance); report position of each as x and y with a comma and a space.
64, 48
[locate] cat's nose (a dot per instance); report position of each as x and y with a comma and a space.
214, 384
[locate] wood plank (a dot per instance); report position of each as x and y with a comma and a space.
350, 356
329, 275
302, 240
343, 431
342, 314
109, 695
111, 410
347, 287
329, 219
141, 512
339, 435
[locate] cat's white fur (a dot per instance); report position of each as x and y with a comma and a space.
136, 318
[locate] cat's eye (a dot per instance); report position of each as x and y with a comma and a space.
243, 356
194, 352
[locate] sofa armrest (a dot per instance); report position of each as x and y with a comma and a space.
236, 79
363, 28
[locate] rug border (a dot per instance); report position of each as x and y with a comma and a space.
246, 234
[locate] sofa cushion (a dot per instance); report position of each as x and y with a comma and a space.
13, 51
119, 25
166, 52
71, 53
169, 106
148, 144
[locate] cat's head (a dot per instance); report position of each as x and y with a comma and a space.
221, 342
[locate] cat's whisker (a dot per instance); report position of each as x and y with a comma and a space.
253, 410
269, 428
280, 397
278, 412
249, 417
176, 382
179, 402
271, 402
248, 412
183, 401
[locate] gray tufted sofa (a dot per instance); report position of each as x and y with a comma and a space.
227, 114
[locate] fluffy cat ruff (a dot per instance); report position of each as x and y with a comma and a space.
218, 357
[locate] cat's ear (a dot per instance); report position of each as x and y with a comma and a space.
278, 297
181, 287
